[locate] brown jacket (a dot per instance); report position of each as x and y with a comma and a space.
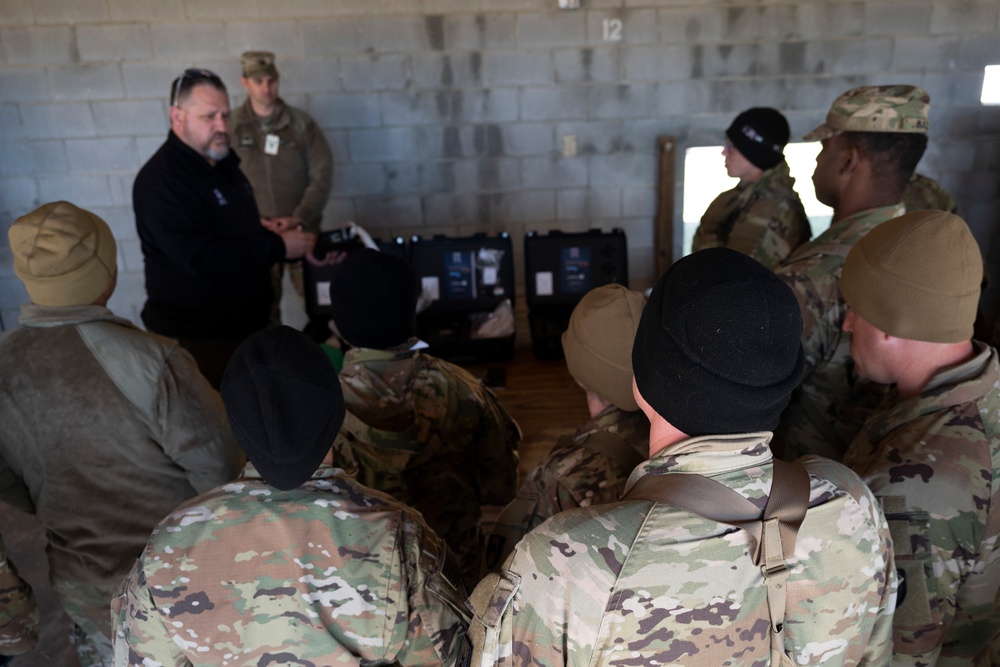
109, 428
296, 180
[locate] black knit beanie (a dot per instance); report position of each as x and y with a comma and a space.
718, 346
373, 299
284, 403
760, 134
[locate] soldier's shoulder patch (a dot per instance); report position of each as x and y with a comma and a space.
464, 653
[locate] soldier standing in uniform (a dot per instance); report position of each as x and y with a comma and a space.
285, 157
931, 453
295, 562
590, 466
762, 216
641, 582
420, 429
873, 138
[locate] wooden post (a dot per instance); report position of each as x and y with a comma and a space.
663, 238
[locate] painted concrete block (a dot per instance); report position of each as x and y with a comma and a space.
622, 101
57, 121
86, 82
623, 169
350, 34
623, 26
130, 117
70, 11
900, 17
590, 64
114, 42
146, 10
961, 17
516, 68
551, 29
375, 72
17, 12
693, 25
358, 180
280, 37
925, 54
381, 145
84, 190
150, 80
189, 43
480, 31
589, 204
494, 105
555, 103
39, 44
24, 84
523, 139
459, 70
660, 63
102, 155
30, 158
19, 196
594, 136
488, 174
406, 34
345, 111
823, 20
379, 212
554, 172
221, 10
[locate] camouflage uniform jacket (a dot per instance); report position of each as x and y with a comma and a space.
327, 573
933, 461
769, 221
18, 611
643, 583
923, 193
831, 405
297, 179
432, 436
572, 475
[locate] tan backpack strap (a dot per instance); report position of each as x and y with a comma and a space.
772, 532
615, 448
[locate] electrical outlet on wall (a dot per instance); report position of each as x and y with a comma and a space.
569, 4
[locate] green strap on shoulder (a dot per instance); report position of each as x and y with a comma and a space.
772, 532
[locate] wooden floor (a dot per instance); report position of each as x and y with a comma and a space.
541, 396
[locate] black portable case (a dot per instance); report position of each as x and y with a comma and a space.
559, 269
471, 276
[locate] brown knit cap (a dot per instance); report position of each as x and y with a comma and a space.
916, 277
64, 255
598, 342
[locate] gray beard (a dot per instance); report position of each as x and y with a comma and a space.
217, 154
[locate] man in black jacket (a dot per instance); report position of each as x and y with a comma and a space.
207, 257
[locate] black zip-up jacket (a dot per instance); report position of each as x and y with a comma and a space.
207, 257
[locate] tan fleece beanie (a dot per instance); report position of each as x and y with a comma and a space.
64, 255
598, 342
916, 277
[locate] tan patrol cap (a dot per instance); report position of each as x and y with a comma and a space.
258, 62
894, 108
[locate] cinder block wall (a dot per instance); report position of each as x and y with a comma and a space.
447, 116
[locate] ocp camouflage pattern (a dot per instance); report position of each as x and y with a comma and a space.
832, 403
18, 611
933, 461
768, 223
642, 583
328, 573
432, 436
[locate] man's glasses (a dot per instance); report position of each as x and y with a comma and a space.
194, 76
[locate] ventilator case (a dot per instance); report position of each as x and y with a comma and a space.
560, 268
467, 292
316, 279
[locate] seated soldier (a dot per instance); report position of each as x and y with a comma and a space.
295, 562
420, 429
590, 466
931, 452
667, 576
18, 612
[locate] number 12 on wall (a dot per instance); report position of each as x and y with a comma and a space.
612, 30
